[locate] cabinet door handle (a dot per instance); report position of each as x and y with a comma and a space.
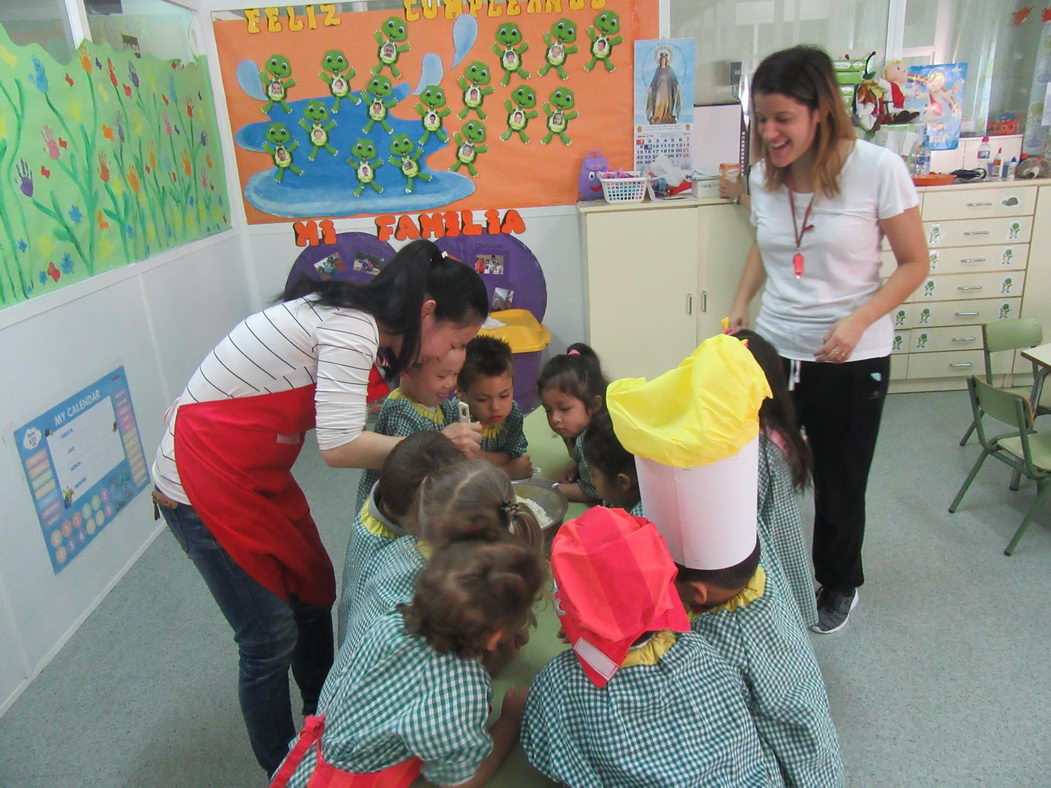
973, 260
704, 301
967, 314
962, 364
964, 339
980, 205
689, 303
968, 287
978, 232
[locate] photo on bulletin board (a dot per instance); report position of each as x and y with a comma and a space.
937, 93
84, 463
663, 100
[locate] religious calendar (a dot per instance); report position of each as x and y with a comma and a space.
663, 110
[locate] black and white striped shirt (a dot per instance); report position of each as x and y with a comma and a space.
286, 346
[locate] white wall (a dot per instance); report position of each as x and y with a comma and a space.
157, 319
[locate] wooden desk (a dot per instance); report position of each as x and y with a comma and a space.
1040, 356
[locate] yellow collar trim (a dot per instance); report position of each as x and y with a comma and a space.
374, 526
493, 431
754, 590
650, 653
433, 414
424, 549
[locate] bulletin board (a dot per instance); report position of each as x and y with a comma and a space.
463, 106
84, 463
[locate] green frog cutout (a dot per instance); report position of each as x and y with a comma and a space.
277, 79
559, 112
475, 86
366, 162
561, 43
468, 145
313, 122
337, 73
379, 92
519, 112
604, 37
391, 38
509, 48
407, 158
432, 110
277, 145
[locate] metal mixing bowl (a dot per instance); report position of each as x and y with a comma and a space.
549, 499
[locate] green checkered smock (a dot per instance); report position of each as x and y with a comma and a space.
682, 721
636, 510
397, 698
583, 470
400, 417
370, 532
782, 526
508, 436
759, 634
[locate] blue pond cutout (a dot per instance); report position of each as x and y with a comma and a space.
326, 187
465, 33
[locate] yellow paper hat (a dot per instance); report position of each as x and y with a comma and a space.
703, 411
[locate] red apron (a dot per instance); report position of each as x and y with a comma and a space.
235, 458
325, 775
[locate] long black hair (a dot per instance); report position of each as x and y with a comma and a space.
578, 373
778, 414
395, 296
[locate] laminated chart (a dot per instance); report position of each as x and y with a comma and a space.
84, 463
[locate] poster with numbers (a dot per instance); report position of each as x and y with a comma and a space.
663, 88
84, 463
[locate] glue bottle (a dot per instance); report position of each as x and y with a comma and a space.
1012, 168
984, 153
997, 166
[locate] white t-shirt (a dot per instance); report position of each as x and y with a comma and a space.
841, 254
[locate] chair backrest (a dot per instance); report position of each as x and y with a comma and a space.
1024, 332
1012, 409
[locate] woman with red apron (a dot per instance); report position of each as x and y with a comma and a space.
223, 469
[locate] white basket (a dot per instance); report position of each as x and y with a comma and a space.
621, 188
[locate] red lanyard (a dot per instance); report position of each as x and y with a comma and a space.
797, 258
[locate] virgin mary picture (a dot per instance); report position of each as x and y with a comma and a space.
663, 101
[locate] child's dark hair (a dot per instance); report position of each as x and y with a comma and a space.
419, 271
729, 579
603, 449
469, 591
578, 373
408, 464
778, 414
471, 500
487, 357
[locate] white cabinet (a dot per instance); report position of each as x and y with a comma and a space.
659, 278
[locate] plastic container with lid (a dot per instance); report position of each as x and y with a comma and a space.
527, 338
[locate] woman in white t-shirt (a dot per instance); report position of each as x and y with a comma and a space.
821, 202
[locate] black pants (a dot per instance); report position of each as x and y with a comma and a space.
839, 407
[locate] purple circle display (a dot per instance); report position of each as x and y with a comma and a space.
512, 274
354, 257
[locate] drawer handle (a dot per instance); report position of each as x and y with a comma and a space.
964, 339
962, 364
977, 232
968, 287
980, 205
973, 260
967, 314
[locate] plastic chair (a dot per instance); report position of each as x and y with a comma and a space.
1024, 449
1010, 335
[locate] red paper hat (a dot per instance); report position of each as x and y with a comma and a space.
614, 582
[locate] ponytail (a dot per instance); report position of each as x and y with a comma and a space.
578, 373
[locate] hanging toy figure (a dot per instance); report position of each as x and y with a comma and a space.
391, 37
363, 157
603, 38
475, 86
406, 160
508, 38
337, 72
276, 144
277, 79
432, 109
379, 92
519, 112
559, 112
469, 145
313, 122
561, 43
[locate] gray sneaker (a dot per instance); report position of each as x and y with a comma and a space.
833, 609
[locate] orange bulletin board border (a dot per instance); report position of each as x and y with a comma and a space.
510, 173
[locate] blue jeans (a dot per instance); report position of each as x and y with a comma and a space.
271, 635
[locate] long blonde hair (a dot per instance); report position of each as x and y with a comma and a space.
805, 74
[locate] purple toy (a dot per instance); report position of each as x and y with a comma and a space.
589, 187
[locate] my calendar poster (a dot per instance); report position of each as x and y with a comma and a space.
663, 88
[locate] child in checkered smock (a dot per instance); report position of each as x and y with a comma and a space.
486, 384
377, 524
784, 470
420, 403
414, 696
572, 390
612, 466
646, 702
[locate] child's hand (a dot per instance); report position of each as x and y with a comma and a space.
466, 437
569, 475
513, 705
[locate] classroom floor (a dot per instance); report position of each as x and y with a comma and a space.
942, 677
